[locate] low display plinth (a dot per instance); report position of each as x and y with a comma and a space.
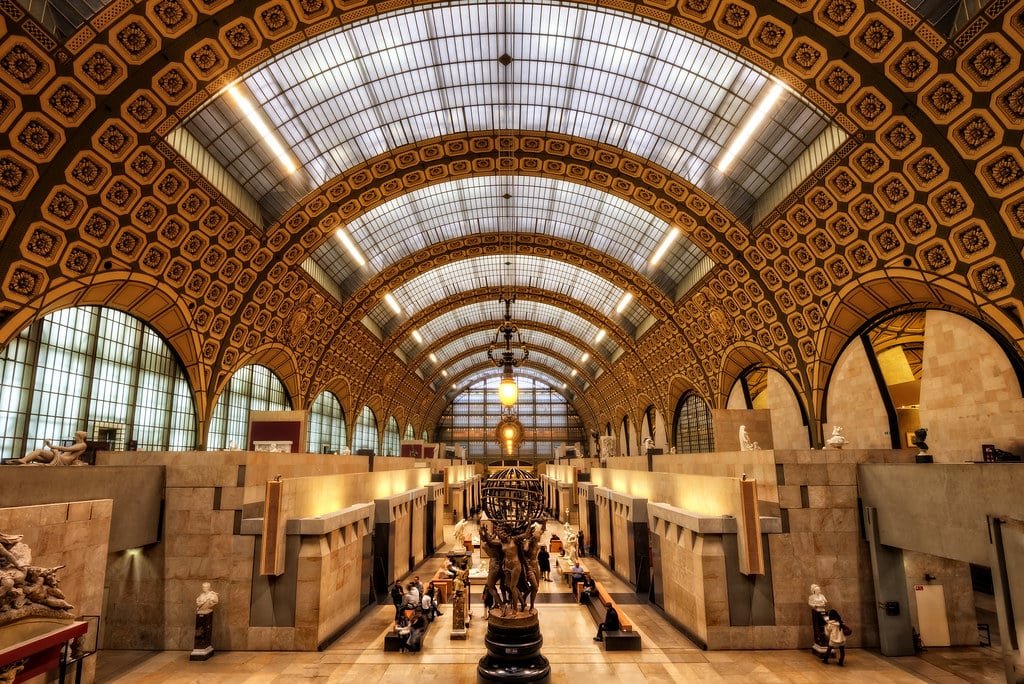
513, 649
33, 646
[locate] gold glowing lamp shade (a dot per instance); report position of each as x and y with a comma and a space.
504, 354
509, 433
508, 390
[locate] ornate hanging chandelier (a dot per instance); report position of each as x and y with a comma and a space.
511, 355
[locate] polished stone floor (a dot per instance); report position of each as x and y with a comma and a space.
568, 629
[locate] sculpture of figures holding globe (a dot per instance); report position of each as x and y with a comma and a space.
510, 535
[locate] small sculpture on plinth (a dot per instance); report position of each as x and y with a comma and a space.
837, 441
510, 535
819, 614
205, 602
920, 435
747, 444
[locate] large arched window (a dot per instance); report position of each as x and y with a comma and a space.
97, 370
391, 437
548, 419
692, 433
366, 435
409, 432
327, 432
252, 388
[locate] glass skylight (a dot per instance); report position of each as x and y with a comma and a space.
505, 275
523, 313
479, 341
520, 204
539, 361
371, 86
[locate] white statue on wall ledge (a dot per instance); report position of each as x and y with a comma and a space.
747, 444
837, 441
648, 445
52, 454
817, 600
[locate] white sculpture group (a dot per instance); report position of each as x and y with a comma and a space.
26, 589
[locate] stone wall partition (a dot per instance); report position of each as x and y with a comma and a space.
73, 535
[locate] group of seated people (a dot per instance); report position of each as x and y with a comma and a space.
414, 609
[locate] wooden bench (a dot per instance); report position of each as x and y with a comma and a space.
623, 639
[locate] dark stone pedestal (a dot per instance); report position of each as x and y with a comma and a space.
203, 648
513, 649
820, 645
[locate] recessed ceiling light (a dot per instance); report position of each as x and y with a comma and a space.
573, 374
270, 138
585, 357
350, 247
416, 336
393, 303
624, 302
433, 357
600, 335
444, 374
750, 126
666, 242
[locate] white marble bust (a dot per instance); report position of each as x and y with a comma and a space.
817, 599
206, 600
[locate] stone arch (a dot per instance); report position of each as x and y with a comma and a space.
278, 358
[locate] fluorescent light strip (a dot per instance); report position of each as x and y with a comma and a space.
269, 137
753, 123
624, 302
600, 335
666, 242
433, 357
585, 357
393, 303
416, 336
350, 247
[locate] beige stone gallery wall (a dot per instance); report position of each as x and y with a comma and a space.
788, 429
855, 403
331, 570
604, 529
74, 535
955, 579
969, 393
151, 591
687, 560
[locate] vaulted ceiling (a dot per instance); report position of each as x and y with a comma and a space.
544, 151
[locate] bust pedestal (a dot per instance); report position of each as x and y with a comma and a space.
203, 647
820, 644
513, 649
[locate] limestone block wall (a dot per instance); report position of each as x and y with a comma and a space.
685, 558
823, 544
969, 392
788, 428
74, 535
955, 579
620, 541
726, 427
758, 465
604, 529
402, 526
854, 401
417, 528
151, 594
330, 579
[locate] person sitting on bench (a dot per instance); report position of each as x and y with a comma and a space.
588, 587
610, 624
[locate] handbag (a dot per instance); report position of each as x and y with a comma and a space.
846, 629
